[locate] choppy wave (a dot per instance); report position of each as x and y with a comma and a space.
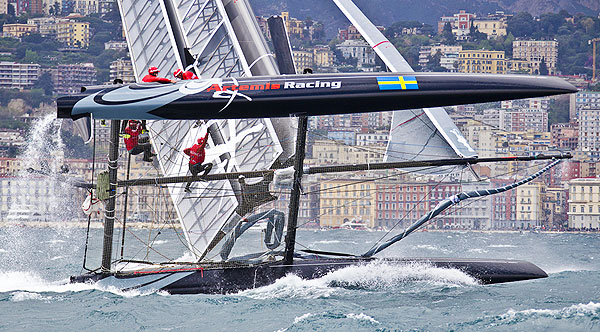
590, 310
431, 247
33, 283
28, 286
373, 276
501, 246
309, 320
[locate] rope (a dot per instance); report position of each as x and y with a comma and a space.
453, 200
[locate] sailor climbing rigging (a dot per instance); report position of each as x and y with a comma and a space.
136, 140
197, 154
153, 76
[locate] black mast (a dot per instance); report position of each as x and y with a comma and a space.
290, 238
109, 212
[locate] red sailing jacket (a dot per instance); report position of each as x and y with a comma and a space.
132, 141
188, 75
149, 78
196, 152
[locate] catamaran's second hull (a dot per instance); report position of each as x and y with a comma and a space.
237, 277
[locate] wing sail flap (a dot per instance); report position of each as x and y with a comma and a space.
443, 127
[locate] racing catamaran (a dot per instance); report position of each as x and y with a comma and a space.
249, 109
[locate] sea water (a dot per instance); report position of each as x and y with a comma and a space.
35, 264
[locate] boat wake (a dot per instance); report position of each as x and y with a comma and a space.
24, 286
32, 283
560, 318
375, 276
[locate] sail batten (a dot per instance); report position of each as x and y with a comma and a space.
159, 33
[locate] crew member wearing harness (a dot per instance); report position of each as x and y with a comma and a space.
135, 142
197, 154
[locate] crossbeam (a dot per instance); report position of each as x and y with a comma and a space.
331, 169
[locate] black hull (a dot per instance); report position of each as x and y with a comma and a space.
223, 280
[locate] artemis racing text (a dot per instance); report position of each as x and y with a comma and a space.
274, 86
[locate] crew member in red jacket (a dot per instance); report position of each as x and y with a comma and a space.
153, 76
185, 75
136, 144
197, 154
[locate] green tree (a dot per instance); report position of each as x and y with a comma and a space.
31, 57
447, 34
45, 83
543, 67
521, 25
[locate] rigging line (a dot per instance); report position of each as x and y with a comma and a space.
399, 151
453, 200
144, 243
156, 213
388, 176
414, 206
370, 180
445, 213
87, 234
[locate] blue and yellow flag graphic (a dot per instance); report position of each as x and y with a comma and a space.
398, 83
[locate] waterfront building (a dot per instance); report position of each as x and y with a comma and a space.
18, 75
481, 61
123, 70
460, 23
85, 7
73, 34
565, 136
584, 203
46, 26
294, 26
360, 50
516, 66
323, 56
530, 212
588, 109
471, 214
116, 45
377, 138
347, 137
303, 59
503, 206
346, 200
330, 152
555, 205
68, 79
349, 33
3, 6
536, 51
17, 30
491, 26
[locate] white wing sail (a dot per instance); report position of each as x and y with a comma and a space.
158, 37
420, 134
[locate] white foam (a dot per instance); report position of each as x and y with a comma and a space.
28, 296
301, 318
501, 246
362, 316
379, 275
561, 269
31, 282
478, 250
580, 310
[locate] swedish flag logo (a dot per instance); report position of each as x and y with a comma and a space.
398, 83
